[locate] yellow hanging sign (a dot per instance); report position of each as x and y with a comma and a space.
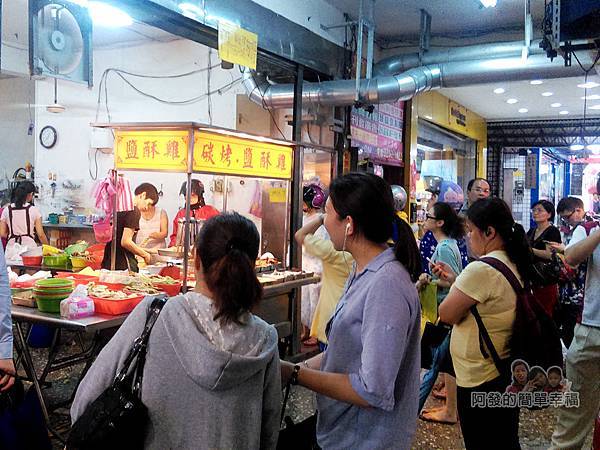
237, 45
219, 153
277, 195
162, 150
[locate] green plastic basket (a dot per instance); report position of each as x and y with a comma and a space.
49, 305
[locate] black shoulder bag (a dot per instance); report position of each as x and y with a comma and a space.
117, 419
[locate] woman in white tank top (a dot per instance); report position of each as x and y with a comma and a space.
154, 228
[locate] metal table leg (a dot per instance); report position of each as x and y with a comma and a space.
30, 369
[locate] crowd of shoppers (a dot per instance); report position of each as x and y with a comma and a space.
213, 374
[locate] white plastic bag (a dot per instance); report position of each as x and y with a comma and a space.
77, 305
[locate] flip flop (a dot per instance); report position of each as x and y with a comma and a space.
431, 419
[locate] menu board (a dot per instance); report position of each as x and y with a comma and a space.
379, 134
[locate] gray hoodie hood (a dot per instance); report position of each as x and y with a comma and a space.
198, 342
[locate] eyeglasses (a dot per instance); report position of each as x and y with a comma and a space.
481, 191
538, 211
565, 219
431, 217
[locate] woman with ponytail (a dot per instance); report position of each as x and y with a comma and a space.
367, 380
212, 374
493, 234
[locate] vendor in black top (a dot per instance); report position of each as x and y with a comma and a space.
128, 223
539, 237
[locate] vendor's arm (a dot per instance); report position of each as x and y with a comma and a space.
110, 360
164, 227
39, 230
128, 244
4, 223
310, 228
543, 254
581, 246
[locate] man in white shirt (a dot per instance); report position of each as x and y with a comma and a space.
583, 357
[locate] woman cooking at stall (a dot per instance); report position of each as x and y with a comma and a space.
154, 228
21, 221
198, 208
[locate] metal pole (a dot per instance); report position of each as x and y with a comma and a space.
295, 222
188, 198
113, 250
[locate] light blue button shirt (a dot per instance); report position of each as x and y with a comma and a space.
6, 340
374, 337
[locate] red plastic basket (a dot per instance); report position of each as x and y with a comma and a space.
115, 307
170, 289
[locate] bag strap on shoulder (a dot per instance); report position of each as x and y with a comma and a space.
485, 340
139, 349
504, 270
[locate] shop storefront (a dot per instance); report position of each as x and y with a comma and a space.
447, 149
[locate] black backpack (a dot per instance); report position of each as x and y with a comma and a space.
535, 338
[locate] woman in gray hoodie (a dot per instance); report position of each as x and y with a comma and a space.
212, 374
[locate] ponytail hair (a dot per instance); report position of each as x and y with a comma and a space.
495, 213
406, 249
227, 246
368, 199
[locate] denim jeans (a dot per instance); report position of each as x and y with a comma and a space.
439, 354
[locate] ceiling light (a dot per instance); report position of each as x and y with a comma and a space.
499, 91
536, 82
523, 110
512, 101
488, 3
556, 105
594, 148
547, 94
106, 15
588, 85
594, 107
564, 113
591, 97
576, 147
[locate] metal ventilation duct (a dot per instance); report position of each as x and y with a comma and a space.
388, 89
399, 63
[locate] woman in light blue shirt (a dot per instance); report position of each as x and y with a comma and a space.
367, 381
7, 365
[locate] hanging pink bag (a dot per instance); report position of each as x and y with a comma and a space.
103, 231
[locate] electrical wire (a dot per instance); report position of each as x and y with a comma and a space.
585, 90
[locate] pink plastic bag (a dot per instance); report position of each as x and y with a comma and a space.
103, 231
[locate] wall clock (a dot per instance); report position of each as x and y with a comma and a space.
48, 136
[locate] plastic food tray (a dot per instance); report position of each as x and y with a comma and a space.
115, 307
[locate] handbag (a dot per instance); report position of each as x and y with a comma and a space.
299, 436
117, 419
433, 336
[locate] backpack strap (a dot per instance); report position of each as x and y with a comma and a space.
504, 270
485, 340
484, 337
